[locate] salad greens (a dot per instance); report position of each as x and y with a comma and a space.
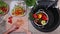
30, 2
1, 12
3, 4
3, 7
30, 16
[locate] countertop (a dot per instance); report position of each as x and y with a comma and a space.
30, 26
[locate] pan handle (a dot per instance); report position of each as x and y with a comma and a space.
38, 2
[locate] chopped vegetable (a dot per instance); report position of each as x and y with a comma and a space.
1, 12
35, 16
43, 22
10, 20
44, 17
3, 8
36, 20
39, 16
18, 11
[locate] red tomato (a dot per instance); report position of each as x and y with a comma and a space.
4, 9
10, 17
35, 16
10, 20
44, 17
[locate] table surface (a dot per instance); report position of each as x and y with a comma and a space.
30, 26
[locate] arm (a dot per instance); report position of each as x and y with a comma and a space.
15, 26
11, 30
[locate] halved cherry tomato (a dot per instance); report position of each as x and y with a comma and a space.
35, 16
10, 17
44, 17
4, 9
10, 20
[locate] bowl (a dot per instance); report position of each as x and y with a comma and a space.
4, 8
18, 8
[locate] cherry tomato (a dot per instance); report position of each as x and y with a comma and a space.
35, 16
10, 20
4, 9
44, 17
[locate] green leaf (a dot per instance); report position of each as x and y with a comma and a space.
30, 16
30, 2
3, 4
1, 12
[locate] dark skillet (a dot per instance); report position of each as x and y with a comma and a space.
47, 3
53, 18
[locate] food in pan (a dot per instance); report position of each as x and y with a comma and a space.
40, 18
